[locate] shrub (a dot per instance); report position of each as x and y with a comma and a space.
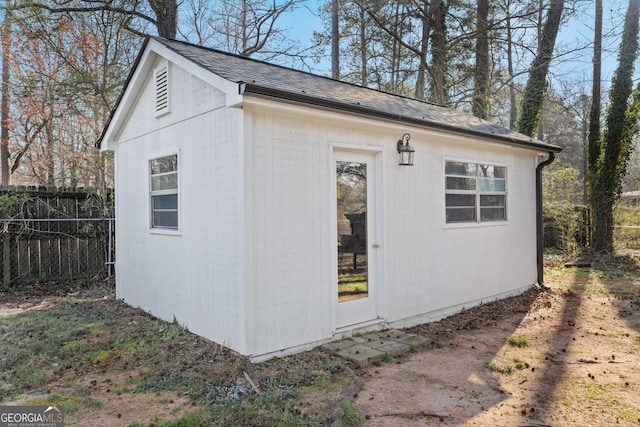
565, 226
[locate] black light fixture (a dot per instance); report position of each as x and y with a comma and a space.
405, 151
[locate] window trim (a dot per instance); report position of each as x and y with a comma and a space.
152, 193
477, 192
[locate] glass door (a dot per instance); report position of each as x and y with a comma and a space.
355, 292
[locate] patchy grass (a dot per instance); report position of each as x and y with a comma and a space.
518, 341
81, 354
505, 369
608, 276
85, 354
352, 417
520, 364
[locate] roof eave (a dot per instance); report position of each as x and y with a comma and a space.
303, 99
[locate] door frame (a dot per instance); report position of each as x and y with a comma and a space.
374, 235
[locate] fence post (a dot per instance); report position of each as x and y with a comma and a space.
6, 260
109, 248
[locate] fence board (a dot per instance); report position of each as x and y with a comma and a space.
6, 259
45, 257
96, 260
55, 234
65, 253
13, 254
83, 255
55, 258
34, 259
23, 258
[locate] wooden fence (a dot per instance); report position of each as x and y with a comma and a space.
55, 234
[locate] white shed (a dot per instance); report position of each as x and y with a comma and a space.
265, 208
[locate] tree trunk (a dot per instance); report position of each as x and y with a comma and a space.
363, 48
621, 129
6, 70
424, 48
593, 136
536, 84
50, 156
243, 19
396, 51
439, 51
481, 76
335, 40
166, 12
513, 105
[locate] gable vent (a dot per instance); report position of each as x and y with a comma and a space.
161, 79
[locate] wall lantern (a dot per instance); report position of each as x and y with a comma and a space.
405, 151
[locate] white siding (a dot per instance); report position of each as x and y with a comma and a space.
428, 267
252, 264
435, 267
290, 238
192, 275
188, 97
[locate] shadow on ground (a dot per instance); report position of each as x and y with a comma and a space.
564, 356
450, 383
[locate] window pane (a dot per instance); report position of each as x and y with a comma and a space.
486, 200
466, 200
461, 214
499, 172
474, 181
489, 171
492, 214
169, 201
164, 164
454, 183
164, 182
486, 184
167, 219
458, 168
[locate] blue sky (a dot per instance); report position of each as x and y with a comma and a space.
574, 39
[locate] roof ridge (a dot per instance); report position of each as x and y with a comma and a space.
282, 83
284, 67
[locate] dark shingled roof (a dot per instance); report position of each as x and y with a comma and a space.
259, 78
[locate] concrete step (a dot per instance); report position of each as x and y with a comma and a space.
368, 348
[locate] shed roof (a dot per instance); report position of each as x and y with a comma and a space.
259, 78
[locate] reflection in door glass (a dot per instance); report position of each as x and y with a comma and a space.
351, 190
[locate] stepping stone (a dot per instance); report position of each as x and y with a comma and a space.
361, 354
414, 341
391, 347
336, 346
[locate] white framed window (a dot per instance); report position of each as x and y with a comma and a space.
163, 184
475, 192
161, 82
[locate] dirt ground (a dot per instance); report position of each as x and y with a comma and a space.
580, 367
117, 408
556, 357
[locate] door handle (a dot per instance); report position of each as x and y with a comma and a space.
375, 246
